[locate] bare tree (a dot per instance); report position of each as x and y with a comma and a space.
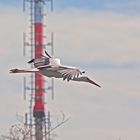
17, 132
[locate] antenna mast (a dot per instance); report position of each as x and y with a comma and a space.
37, 85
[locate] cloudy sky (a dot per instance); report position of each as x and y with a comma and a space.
100, 37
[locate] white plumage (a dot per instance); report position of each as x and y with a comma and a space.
51, 67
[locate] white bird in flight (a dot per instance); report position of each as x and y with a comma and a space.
51, 67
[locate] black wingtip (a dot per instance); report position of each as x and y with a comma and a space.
47, 54
31, 61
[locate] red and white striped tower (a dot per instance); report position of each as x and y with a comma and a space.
37, 86
39, 106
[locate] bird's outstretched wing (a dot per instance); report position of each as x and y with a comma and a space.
69, 73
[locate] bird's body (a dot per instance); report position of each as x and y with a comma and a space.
51, 67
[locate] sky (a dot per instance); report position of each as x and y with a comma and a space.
100, 37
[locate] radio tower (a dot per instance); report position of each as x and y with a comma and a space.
40, 128
37, 81
39, 107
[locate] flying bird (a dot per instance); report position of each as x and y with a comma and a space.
51, 67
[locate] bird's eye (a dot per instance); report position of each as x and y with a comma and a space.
83, 72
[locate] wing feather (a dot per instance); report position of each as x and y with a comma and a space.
69, 73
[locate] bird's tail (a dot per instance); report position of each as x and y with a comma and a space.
33, 70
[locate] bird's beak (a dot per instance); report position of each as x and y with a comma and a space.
94, 83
